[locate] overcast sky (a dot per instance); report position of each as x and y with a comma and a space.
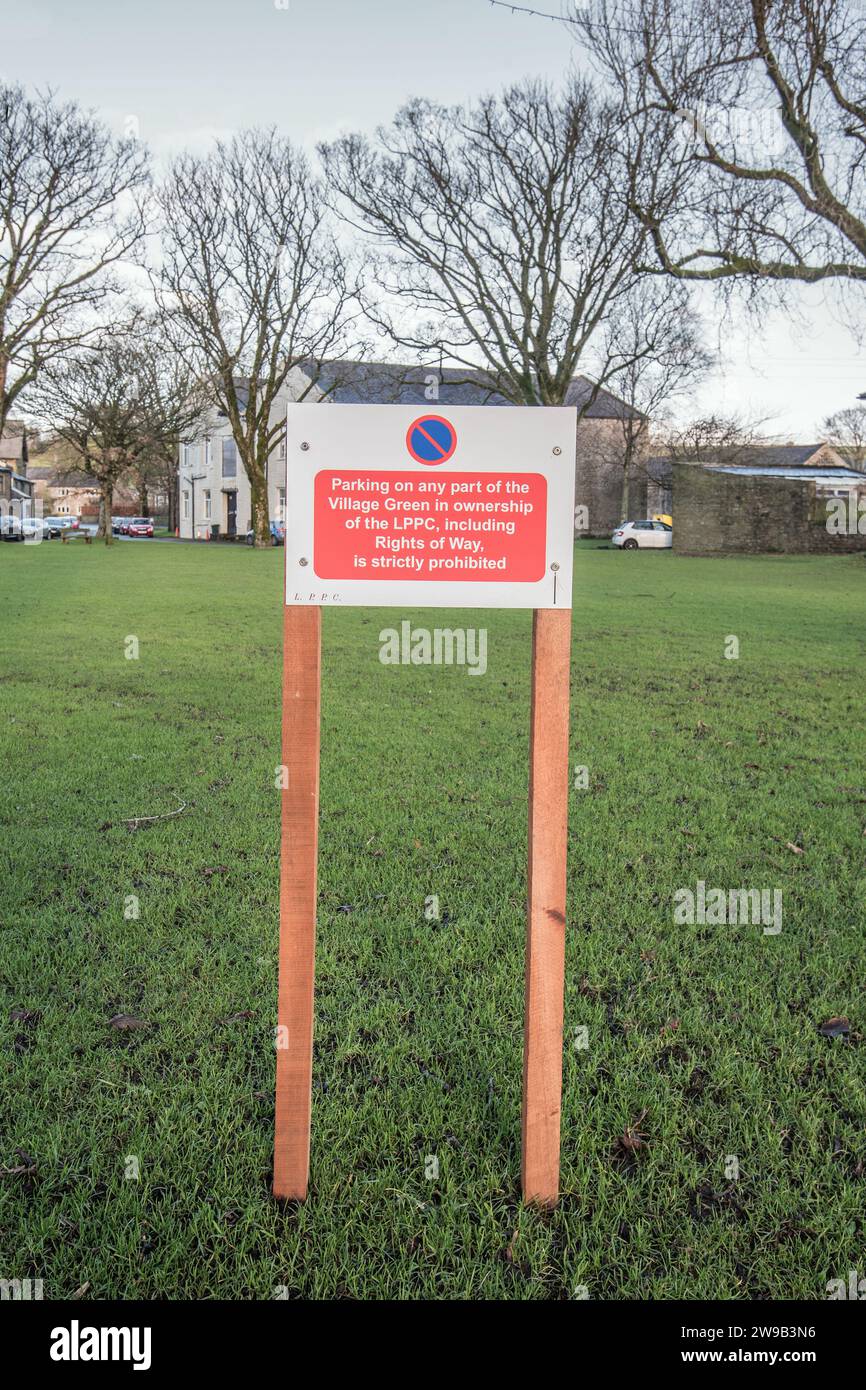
188, 70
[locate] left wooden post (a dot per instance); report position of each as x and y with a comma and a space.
302, 671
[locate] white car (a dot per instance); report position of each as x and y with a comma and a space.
643, 535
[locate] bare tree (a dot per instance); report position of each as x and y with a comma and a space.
255, 283
658, 337
179, 399
69, 212
108, 403
745, 125
714, 439
846, 431
504, 241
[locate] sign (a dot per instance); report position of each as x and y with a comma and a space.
431, 439
386, 507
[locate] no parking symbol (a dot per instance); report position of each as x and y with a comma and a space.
431, 439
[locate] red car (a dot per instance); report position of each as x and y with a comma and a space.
140, 526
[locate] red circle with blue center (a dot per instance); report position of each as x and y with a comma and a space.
431, 439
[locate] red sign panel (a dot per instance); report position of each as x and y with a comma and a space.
441, 526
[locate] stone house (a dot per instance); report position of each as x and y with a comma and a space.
214, 492
70, 493
16, 487
65, 489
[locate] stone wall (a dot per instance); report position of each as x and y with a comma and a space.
732, 513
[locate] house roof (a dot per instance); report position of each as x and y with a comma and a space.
392, 383
818, 473
760, 458
57, 476
780, 455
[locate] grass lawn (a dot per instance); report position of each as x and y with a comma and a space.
703, 1041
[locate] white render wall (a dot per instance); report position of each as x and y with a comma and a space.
201, 472
204, 457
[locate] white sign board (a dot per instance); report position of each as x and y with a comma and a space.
471, 507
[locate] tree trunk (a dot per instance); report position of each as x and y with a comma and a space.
257, 474
142, 497
106, 503
4, 404
624, 504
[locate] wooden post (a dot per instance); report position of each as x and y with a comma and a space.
302, 661
545, 921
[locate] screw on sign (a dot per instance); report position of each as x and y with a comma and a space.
431, 439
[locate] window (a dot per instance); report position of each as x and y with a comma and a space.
281, 505
642, 525
207, 504
186, 506
230, 458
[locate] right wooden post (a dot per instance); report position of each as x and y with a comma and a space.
545, 921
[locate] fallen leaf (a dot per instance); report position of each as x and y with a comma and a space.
836, 1027
798, 849
126, 1022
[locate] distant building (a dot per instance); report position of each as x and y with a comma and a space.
775, 457
15, 485
65, 492
802, 503
65, 489
214, 492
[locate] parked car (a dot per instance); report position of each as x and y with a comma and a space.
58, 524
117, 523
643, 535
139, 526
278, 534
22, 528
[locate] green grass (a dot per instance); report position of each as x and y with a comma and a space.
705, 1039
